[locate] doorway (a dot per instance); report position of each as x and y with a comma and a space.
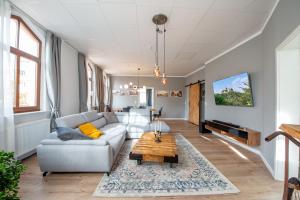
146, 97
194, 103
288, 100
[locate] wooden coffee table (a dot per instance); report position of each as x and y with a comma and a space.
146, 149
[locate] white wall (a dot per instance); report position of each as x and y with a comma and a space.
257, 56
69, 80
288, 107
173, 107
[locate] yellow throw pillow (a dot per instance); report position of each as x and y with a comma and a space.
90, 130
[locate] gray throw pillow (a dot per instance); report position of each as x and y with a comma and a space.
65, 133
110, 117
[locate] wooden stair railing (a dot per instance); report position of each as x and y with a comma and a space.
291, 133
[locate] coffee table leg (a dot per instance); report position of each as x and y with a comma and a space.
139, 162
171, 165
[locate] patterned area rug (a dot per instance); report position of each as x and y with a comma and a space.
193, 175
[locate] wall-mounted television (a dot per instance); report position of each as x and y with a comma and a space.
234, 91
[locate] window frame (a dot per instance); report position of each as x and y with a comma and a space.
19, 53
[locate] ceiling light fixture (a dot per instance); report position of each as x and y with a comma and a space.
131, 86
158, 20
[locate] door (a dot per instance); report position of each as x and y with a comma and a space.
194, 102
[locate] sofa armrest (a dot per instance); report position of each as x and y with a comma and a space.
74, 142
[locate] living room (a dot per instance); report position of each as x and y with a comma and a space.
170, 99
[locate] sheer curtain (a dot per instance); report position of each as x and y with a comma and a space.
7, 129
107, 91
83, 88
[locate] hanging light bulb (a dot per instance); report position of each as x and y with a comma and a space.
156, 71
160, 19
156, 68
164, 79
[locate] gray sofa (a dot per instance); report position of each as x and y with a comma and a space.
55, 155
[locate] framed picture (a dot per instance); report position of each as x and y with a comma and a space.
162, 93
116, 92
133, 92
176, 93
119, 92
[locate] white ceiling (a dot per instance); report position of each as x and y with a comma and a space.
119, 34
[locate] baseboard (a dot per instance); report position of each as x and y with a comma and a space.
25, 155
267, 165
251, 149
173, 118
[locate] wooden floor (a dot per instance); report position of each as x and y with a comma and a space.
244, 169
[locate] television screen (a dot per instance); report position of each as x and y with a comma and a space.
234, 91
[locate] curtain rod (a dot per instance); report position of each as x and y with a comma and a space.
194, 83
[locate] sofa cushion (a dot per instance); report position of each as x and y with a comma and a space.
140, 111
90, 115
90, 130
138, 116
139, 119
133, 135
71, 121
114, 129
123, 117
110, 117
116, 143
138, 128
99, 123
66, 133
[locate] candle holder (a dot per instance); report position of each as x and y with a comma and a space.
157, 130
157, 135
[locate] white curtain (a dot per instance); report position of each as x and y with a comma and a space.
7, 129
107, 90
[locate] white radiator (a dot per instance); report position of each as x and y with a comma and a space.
29, 135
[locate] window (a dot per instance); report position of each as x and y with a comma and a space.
106, 89
25, 49
90, 77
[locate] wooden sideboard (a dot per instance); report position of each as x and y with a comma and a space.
240, 134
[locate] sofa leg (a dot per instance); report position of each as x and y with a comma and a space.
107, 173
45, 174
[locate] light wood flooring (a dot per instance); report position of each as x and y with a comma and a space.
243, 168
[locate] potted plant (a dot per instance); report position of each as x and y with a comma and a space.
10, 171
